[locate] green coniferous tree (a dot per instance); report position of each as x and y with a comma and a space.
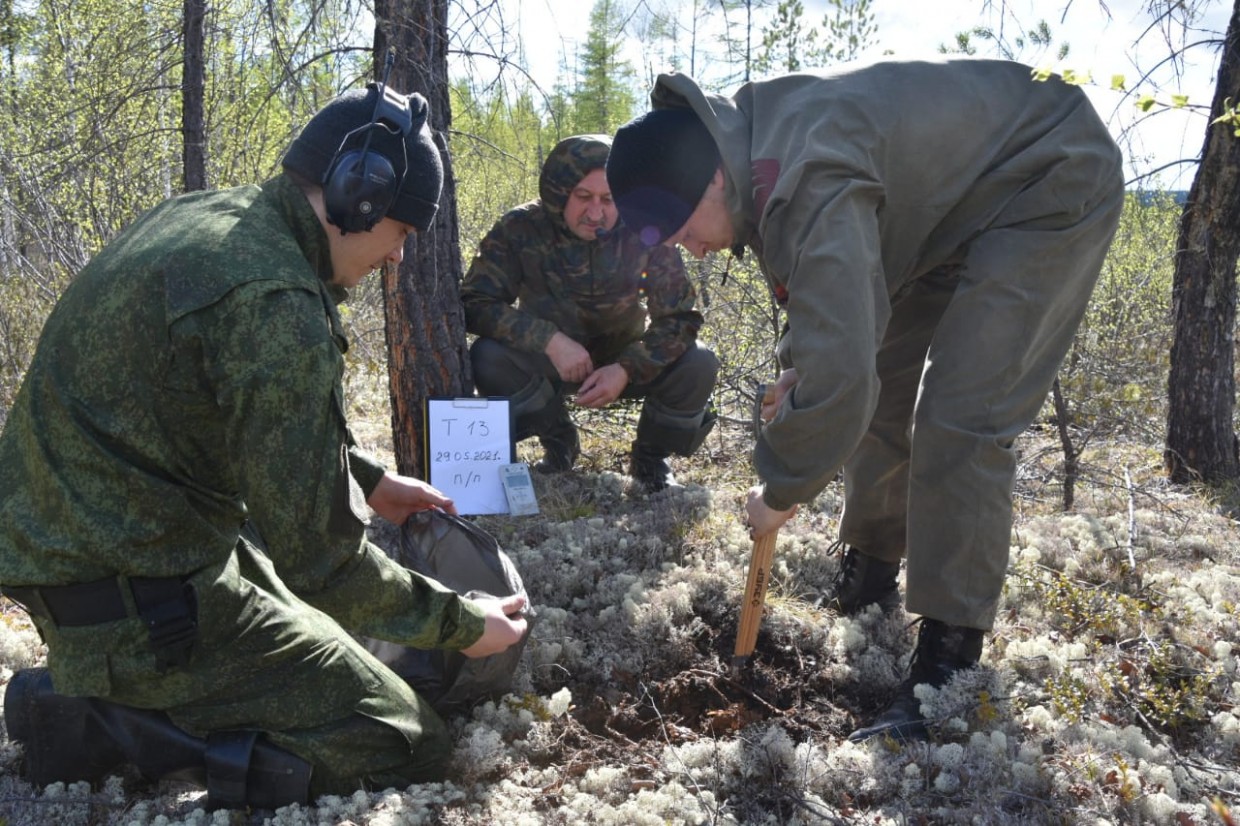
848, 28
790, 45
603, 96
786, 41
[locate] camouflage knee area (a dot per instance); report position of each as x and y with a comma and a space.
394, 739
687, 383
500, 370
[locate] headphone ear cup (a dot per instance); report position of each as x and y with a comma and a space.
359, 190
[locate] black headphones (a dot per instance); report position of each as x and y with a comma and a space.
359, 185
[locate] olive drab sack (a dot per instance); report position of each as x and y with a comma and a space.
467, 559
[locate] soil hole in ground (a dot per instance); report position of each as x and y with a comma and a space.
706, 701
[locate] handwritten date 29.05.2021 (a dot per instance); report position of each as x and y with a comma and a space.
468, 456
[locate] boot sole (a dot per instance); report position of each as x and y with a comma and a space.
907, 731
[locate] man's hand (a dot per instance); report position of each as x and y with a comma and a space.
761, 519
505, 626
603, 386
571, 360
775, 393
396, 497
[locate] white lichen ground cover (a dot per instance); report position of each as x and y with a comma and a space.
1108, 692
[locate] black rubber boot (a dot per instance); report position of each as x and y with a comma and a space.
85, 738
556, 433
538, 410
660, 433
942, 650
863, 581
561, 447
649, 467
64, 738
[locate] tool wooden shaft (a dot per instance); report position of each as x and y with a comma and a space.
754, 598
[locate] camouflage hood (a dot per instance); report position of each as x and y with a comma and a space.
570, 161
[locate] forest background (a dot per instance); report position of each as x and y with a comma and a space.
1110, 688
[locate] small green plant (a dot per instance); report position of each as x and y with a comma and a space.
1069, 696
1079, 609
1120, 782
530, 702
1144, 102
986, 712
1160, 687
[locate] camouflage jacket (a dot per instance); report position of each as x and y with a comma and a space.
532, 277
189, 379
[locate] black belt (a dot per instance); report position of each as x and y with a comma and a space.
166, 604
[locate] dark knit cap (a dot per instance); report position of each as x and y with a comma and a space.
340, 126
659, 167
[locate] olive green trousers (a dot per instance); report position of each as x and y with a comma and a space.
968, 358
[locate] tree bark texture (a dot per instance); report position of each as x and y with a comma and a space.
193, 88
1201, 443
427, 352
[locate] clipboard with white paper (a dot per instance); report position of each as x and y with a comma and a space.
468, 440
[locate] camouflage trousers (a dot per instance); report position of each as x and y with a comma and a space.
684, 386
265, 660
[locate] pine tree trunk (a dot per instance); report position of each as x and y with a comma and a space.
1201, 444
193, 86
427, 353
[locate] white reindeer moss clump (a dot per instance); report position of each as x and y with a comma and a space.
20, 646
668, 805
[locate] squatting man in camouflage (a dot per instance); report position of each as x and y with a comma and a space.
182, 505
933, 231
555, 296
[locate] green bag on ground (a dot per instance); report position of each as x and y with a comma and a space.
467, 559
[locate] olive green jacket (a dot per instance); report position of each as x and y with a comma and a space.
850, 184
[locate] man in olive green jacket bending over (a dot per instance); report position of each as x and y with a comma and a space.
933, 231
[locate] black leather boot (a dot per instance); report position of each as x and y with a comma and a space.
863, 581
85, 738
649, 467
561, 448
660, 433
556, 433
941, 651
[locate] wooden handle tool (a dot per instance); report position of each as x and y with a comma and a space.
753, 601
